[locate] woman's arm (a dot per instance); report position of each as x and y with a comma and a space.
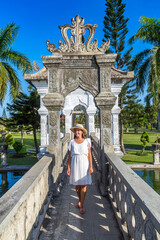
69, 163
90, 161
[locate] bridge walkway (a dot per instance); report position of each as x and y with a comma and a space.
64, 222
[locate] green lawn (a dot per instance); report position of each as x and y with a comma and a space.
133, 140
28, 140
132, 158
29, 158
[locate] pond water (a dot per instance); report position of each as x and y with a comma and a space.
152, 177
8, 179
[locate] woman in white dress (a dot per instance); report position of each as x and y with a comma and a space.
80, 163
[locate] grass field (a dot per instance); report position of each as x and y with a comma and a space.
132, 158
132, 140
28, 140
29, 158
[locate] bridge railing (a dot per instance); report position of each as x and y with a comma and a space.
135, 203
96, 152
23, 207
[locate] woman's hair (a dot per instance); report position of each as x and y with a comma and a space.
83, 136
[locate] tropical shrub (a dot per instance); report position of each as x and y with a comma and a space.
144, 139
17, 146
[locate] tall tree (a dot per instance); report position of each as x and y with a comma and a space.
24, 111
133, 112
147, 63
151, 115
115, 28
10, 58
15, 125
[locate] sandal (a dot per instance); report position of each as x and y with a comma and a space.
82, 211
77, 206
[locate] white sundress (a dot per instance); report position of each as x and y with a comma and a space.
79, 174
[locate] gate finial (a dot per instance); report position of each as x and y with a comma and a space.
76, 42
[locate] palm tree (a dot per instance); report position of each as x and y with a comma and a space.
147, 63
9, 59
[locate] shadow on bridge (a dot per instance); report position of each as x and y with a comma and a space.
64, 222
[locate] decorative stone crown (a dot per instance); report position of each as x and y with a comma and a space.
76, 43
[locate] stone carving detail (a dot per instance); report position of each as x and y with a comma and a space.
53, 80
107, 137
105, 80
72, 79
76, 43
53, 136
53, 119
106, 118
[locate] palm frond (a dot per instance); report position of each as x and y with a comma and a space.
156, 63
7, 36
15, 85
139, 58
142, 74
17, 59
149, 32
3, 82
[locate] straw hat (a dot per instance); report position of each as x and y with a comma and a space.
79, 126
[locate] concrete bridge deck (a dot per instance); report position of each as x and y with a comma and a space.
64, 222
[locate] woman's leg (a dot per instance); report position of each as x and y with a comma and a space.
78, 190
83, 194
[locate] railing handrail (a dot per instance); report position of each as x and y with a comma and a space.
65, 138
135, 203
11, 201
140, 190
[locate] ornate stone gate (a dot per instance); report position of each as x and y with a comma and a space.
80, 64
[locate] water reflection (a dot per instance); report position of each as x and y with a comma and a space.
152, 177
8, 179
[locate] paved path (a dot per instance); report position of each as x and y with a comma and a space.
64, 222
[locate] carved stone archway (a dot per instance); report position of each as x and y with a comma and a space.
81, 111
78, 65
86, 100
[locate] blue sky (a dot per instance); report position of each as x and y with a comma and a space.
39, 20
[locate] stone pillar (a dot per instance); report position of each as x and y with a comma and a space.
68, 120
91, 127
116, 89
91, 111
156, 157
54, 102
105, 101
43, 116
43, 112
115, 131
